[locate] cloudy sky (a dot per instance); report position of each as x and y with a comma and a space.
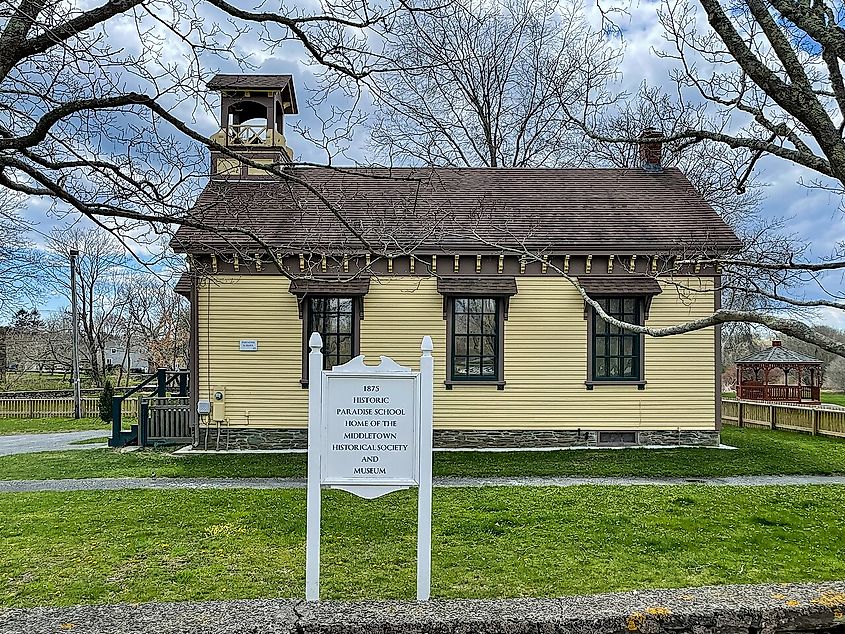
814, 215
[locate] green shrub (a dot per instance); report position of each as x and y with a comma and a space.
106, 399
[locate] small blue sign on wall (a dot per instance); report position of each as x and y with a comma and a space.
249, 345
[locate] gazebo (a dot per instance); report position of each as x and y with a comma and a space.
780, 375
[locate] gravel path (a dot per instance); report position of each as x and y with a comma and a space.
33, 443
114, 484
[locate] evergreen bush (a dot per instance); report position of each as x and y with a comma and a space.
106, 401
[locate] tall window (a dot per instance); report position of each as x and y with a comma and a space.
334, 319
616, 353
475, 344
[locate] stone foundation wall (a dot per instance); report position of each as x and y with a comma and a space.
453, 438
240, 438
252, 438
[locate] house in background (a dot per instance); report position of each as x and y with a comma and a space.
374, 259
135, 359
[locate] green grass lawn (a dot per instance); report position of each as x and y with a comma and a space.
37, 381
91, 441
759, 452
833, 397
93, 547
10, 426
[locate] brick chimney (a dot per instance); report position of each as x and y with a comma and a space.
776, 343
651, 149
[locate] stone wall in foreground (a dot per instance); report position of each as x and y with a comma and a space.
761, 609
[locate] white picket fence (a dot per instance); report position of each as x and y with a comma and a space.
57, 407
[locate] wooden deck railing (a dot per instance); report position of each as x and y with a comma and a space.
786, 393
814, 420
54, 407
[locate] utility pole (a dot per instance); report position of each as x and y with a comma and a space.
77, 393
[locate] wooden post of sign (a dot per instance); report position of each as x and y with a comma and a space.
425, 445
315, 386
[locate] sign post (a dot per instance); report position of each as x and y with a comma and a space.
369, 433
312, 513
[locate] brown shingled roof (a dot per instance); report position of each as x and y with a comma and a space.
778, 355
475, 285
629, 284
330, 286
471, 209
183, 285
243, 82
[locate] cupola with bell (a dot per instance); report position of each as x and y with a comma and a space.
252, 113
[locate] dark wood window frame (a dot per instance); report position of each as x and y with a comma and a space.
501, 318
590, 315
306, 317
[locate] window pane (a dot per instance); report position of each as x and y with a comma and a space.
615, 351
461, 346
461, 324
345, 324
333, 318
475, 345
601, 367
475, 324
475, 338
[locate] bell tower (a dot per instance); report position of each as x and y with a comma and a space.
252, 114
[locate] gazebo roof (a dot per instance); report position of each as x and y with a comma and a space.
777, 354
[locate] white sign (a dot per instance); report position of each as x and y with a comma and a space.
248, 345
369, 433
370, 425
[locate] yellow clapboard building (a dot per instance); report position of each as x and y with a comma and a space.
488, 262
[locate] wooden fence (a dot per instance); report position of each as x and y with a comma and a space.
814, 420
165, 419
56, 407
